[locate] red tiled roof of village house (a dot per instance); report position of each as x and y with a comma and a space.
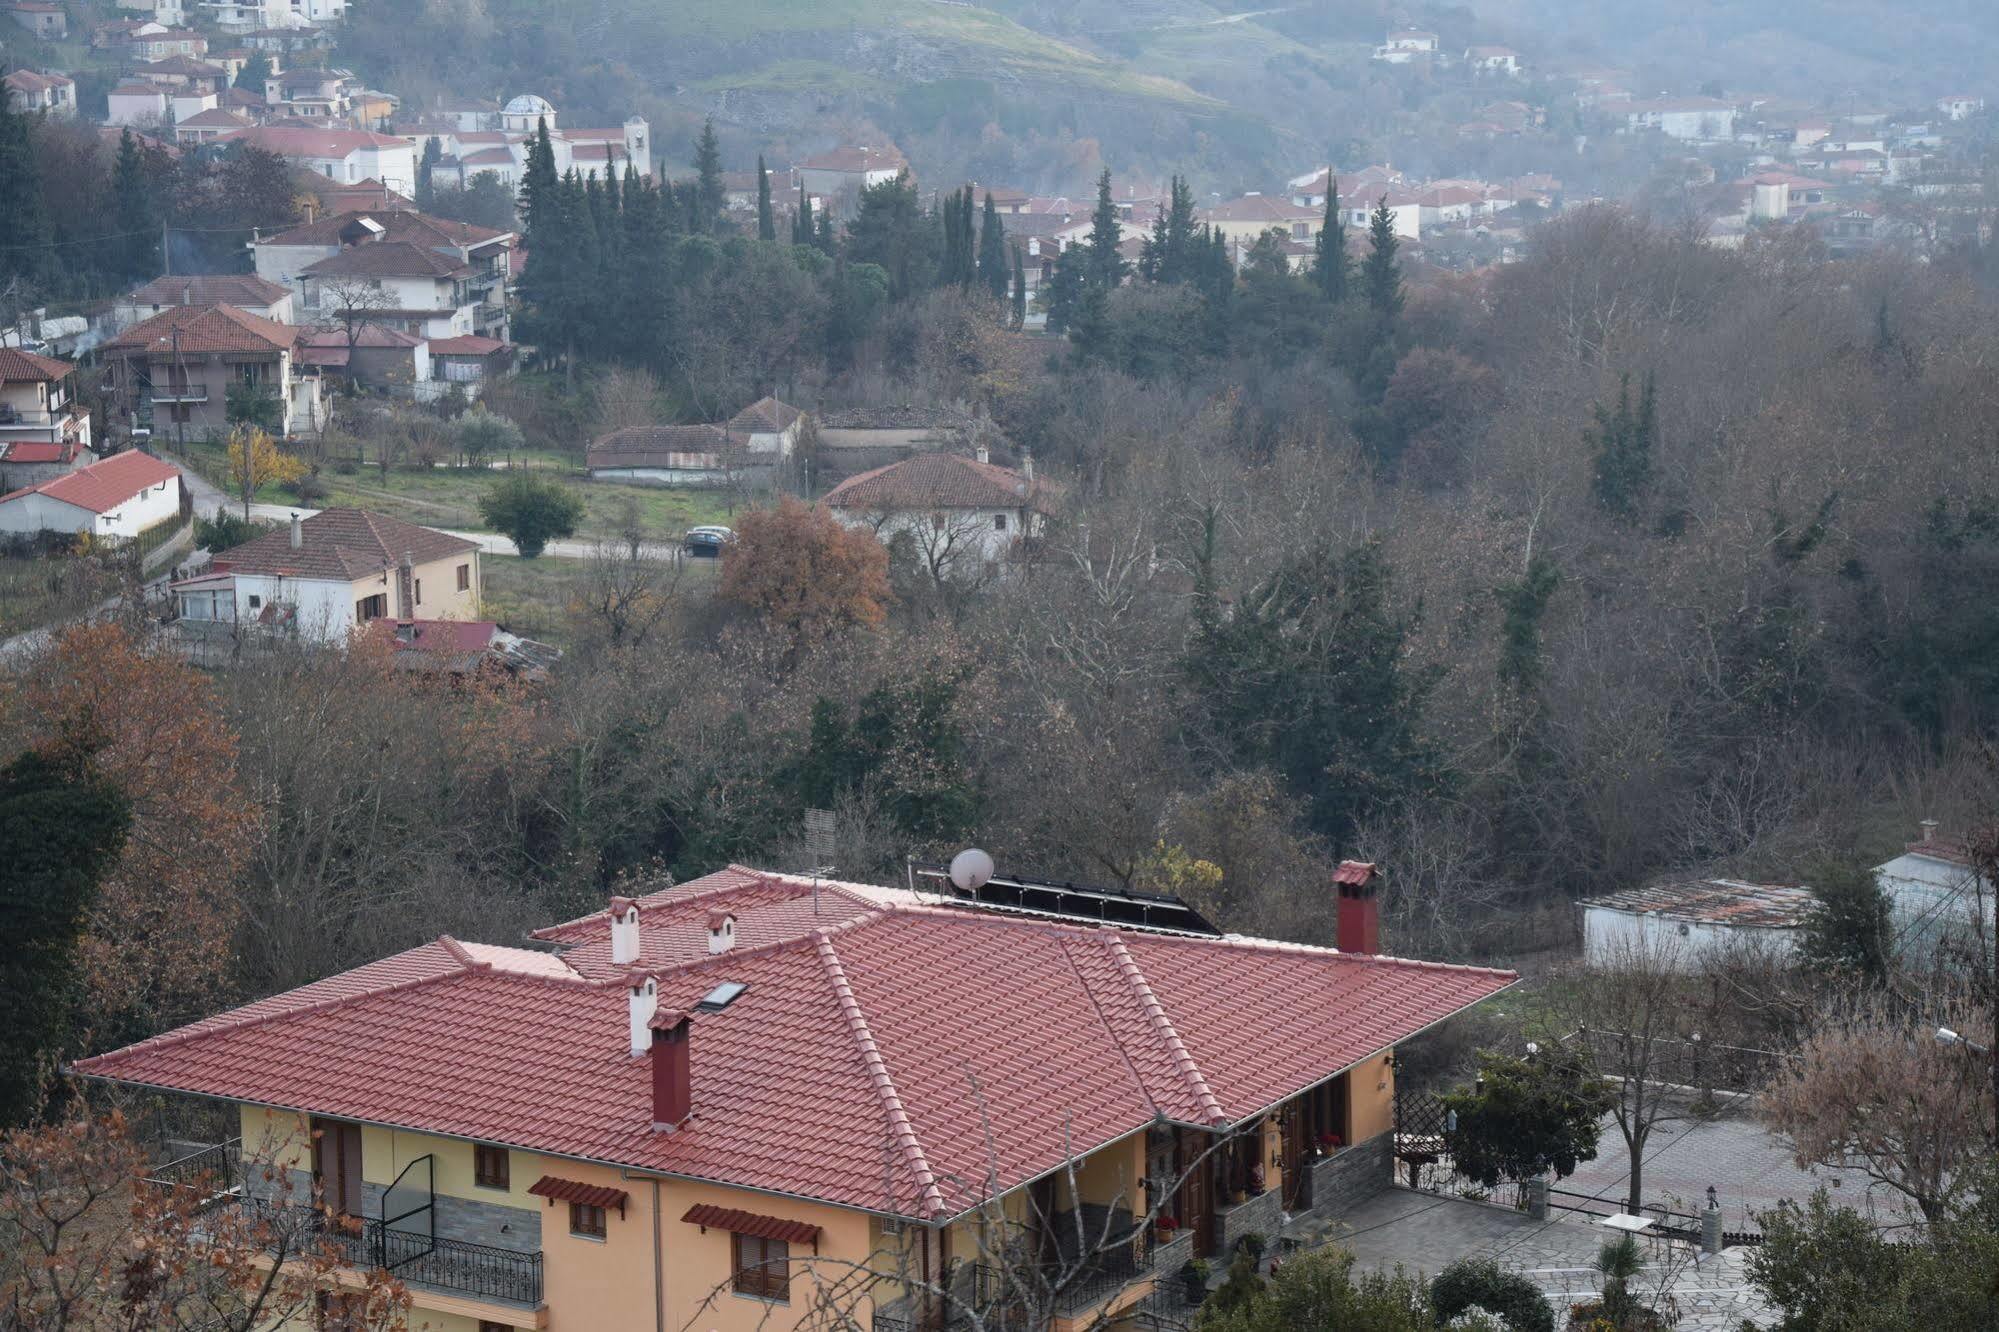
237, 289
387, 258
205, 329
767, 415
38, 451
19, 366
342, 544
1260, 208
398, 224
303, 141
465, 344
893, 1057
103, 486
28, 81
855, 160
939, 480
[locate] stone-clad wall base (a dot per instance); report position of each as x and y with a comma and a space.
1262, 1215
1348, 1178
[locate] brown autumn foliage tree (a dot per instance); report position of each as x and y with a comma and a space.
156, 951
803, 572
91, 1245
1873, 1089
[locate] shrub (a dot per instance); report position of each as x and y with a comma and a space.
1483, 1284
531, 511
306, 489
225, 531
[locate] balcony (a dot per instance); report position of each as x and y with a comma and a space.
170, 393
478, 1271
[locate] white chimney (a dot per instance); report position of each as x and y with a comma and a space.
644, 993
1027, 467
1929, 829
983, 454
721, 931
624, 931
298, 532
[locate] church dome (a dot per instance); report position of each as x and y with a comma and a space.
527, 104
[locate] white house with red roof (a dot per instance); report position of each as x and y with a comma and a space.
712, 1104
1404, 45
420, 274
469, 148
114, 500
947, 505
345, 155
51, 93
40, 418
838, 175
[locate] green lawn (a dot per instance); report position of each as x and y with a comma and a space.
532, 597
449, 496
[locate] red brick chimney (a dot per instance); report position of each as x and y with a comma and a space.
1359, 926
672, 1079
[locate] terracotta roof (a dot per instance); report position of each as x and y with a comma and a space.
205, 329
661, 446
466, 344
28, 81
557, 1189
38, 450
750, 1223
451, 636
17, 366
301, 141
939, 481
398, 224
1260, 208
214, 118
488, 157
366, 335
765, 416
1715, 902
185, 66
893, 1052
340, 544
103, 486
237, 289
387, 258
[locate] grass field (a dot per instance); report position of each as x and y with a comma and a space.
449, 497
533, 597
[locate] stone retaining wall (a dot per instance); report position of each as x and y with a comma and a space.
1351, 1176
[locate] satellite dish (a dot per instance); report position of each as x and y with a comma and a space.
971, 869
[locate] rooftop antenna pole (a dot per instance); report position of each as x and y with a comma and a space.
820, 829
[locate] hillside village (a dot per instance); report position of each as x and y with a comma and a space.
1403, 745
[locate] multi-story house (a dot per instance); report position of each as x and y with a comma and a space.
345, 155
327, 575
756, 1099
168, 13
44, 431
177, 368
398, 268
469, 149
44, 18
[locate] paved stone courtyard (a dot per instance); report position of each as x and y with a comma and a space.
1426, 1232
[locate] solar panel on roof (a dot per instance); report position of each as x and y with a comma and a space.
1069, 901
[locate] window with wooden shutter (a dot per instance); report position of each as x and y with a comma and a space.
763, 1268
490, 1167
586, 1220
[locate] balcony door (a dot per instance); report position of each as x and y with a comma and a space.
336, 1166
1197, 1188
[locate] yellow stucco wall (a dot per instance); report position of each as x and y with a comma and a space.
1370, 1099
1112, 1175
441, 599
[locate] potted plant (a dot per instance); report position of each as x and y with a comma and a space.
1252, 1244
1194, 1279
1168, 1227
1328, 1143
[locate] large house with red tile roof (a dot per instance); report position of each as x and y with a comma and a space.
323, 577
177, 368
41, 421
112, 500
404, 269
472, 142
756, 1099
345, 155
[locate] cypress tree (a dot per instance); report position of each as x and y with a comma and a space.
766, 220
426, 191
947, 271
710, 196
801, 221
822, 235
993, 270
61, 829
1329, 257
138, 218
539, 185
24, 224
1177, 259
1019, 291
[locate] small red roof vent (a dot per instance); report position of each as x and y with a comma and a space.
1356, 873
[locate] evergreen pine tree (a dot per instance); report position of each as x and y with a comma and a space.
1153, 252
1104, 268
947, 270
1329, 255
822, 234
1065, 289
993, 269
539, 185
426, 190
710, 196
138, 216
1381, 275
1019, 291
766, 220
1177, 259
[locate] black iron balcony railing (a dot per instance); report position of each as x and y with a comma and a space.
219, 1167
511, 1276
179, 392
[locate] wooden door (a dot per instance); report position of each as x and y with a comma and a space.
1297, 1180
1197, 1189
336, 1165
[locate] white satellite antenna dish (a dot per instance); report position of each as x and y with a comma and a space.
971, 870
